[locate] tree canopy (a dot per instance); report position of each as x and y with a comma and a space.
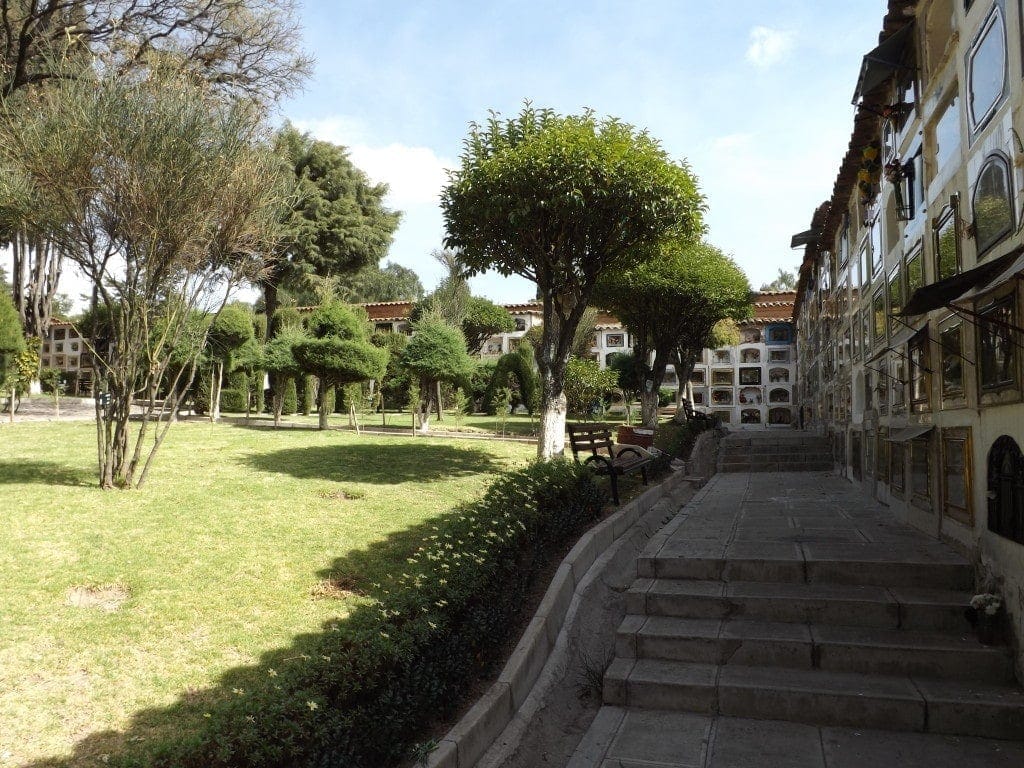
484, 319
559, 200
786, 281
160, 190
436, 352
12, 339
337, 222
672, 302
372, 283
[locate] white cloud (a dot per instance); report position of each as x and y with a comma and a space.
415, 175
768, 46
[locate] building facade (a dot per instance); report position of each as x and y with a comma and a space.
909, 304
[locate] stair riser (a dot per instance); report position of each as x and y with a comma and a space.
981, 664
951, 576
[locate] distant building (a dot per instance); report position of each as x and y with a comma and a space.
64, 349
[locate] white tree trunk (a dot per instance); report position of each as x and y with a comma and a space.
551, 440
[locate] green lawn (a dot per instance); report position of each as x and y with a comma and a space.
231, 551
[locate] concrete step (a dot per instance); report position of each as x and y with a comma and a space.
813, 646
929, 565
819, 697
866, 606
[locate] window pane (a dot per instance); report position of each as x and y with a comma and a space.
895, 294
952, 362
915, 274
947, 134
878, 310
947, 246
954, 468
987, 68
919, 384
919, 475
997, 349
993, 212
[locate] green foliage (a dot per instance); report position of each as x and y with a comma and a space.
337, 222
372, 283
518, 365
278, 354
560, 200
666, 397
629, 371
231, 328
340, 361
362, 697
339, 320
394, 387
12, 339
460, 404
479, 380
50, 380
482, 320
586, 385
290, 398
724, 333
288, 317
786, 281
437, 352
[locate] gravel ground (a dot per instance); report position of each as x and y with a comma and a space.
41, 408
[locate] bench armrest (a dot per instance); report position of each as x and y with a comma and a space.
602, 460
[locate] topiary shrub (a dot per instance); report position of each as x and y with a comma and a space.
233, 400
290, 399
362, 692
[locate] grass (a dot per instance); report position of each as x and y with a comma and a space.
119, 606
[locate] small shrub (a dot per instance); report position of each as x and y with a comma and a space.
289, 403
233, 400
666, 397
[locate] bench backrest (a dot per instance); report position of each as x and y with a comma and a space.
590, 438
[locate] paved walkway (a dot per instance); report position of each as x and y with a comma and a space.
777, 571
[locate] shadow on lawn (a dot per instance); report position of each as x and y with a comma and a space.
44, 473
373, 462
365, 573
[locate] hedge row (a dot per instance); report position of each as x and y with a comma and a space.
361, 693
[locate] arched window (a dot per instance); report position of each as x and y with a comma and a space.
1006, 489
986, 69
992, 203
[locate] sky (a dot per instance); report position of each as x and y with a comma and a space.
753, 94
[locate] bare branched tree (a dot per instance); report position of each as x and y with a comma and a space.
247, 48
165, 195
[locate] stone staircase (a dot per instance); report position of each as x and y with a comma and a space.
774, 451
810, 610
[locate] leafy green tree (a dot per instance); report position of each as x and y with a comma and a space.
482, 320
586, 384
560, 200
786, 281
372, 283
231, 330
435, 353
518, 365
394, 385
629, 371
671, 303
12, 342
337, 222
279, 361
339, 353
160, 191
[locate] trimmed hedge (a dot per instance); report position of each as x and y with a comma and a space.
289, 403
361, 693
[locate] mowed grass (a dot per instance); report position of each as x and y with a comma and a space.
224, 555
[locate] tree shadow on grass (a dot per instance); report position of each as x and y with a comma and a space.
44, 473
374, 462
222, 710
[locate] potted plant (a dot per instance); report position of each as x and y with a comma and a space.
985, 614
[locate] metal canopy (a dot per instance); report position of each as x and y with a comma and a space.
973, 281
805, 238
881, 62
909, 433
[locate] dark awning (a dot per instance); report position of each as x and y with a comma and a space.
805, 238
943, 292
903, 335
908, 433
880, 63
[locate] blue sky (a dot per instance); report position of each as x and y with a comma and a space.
754, 95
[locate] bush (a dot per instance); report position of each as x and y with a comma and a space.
233, 400
289, 403
360, 696
666, 397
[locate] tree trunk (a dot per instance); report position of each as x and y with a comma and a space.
35, 275
551, 439
439, 401
322, 406
649, 394
427, 405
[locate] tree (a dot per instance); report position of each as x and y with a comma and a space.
245, 48
337, 222
586, 384
435, 353
339, 353
629, 372
230, 331
12, 342
372, 283
279, 361
561, 200
160, 191
482, 320
786, 281
671, 303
